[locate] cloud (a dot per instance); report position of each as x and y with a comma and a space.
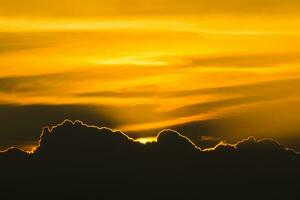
276, 120
245, 61
241, 105
259, 107
81, 138
252, 146
13, 48
78, 136
24, 84
12, 42
282, 85
174, 141
79, 160
26, 133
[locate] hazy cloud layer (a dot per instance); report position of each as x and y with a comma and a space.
145, 7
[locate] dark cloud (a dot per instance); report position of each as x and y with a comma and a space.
81, 161
32, 118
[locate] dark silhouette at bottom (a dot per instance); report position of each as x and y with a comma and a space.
76, 161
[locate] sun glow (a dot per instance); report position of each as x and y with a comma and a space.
146, 140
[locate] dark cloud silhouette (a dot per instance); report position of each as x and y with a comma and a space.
28, 128
279, 121
78, 161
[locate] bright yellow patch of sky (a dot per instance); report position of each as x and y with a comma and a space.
129, 52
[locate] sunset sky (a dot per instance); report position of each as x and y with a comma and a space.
209, 69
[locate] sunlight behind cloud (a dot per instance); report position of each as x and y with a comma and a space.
146, 140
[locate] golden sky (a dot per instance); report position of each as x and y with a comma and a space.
189, 60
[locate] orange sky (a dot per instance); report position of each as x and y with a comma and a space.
173, 56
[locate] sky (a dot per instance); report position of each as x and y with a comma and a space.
213, 70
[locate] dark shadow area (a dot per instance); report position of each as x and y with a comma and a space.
76, 161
